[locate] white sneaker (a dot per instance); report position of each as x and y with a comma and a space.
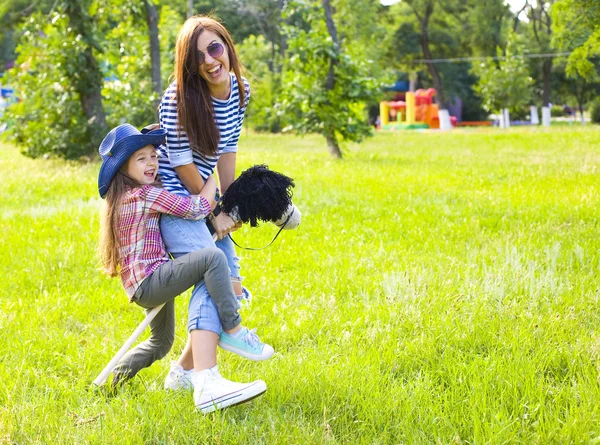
179, 378
212, 392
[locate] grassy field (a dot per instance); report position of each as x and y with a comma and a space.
442, 288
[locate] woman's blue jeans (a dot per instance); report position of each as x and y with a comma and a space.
182, 236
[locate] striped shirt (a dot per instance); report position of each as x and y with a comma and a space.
142, 248
229, 118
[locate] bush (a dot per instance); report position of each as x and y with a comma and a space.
557, 111
595, 111
49, 119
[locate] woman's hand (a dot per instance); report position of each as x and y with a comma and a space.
224, 224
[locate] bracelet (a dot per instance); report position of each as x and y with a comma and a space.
217, 209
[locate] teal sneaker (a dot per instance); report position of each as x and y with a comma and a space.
246, 343
245, 299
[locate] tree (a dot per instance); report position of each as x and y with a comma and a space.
578, 29
87, 78
455, 29
540, 28
81, 72
12, 13
330, 104
59, 83
152, 21
257, 56
423, 10
505, 84
486, 22
576, 88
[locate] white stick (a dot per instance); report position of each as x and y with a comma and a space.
101, 379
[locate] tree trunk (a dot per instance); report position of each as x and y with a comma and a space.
435, 76
88, 82
423, 19
190, 8
330, 82
152, 19
332, 144
546, 78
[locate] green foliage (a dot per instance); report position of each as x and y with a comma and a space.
263, 113
127, 92
557, 111
485, 22
506, 83
49, 118
577, 25
308, 105
168, 27
595, 111
13, 12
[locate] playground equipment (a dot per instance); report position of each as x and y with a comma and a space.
416, 111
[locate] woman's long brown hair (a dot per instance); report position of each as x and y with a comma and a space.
194, 103
109, 223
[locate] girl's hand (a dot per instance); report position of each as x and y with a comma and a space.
151, 127
223, 224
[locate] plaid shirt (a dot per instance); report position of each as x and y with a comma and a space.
142, 249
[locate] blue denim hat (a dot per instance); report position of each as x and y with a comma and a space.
118, 146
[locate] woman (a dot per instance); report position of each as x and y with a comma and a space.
203, 111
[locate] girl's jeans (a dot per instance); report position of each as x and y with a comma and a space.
182, 236
161, 287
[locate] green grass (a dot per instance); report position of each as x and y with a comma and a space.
442, 288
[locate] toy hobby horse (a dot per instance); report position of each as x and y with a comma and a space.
260, 194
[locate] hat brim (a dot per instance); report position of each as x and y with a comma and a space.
122, 151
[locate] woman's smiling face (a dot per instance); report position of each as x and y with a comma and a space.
215, 70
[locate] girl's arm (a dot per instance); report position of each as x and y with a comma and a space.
209, 191
189, 207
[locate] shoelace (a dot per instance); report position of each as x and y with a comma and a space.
251, 338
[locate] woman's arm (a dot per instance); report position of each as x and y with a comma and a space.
226, 170
222, 223
190, 178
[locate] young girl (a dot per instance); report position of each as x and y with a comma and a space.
131, 245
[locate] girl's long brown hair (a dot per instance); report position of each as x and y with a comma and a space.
109, 223
194, 103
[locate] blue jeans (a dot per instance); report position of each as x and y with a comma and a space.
182, 236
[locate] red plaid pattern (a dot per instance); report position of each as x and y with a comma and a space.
142, 249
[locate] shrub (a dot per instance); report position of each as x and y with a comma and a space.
557, 111
595, 111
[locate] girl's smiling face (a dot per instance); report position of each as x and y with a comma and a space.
215, 70
142, 166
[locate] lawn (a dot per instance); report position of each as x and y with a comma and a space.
442, 288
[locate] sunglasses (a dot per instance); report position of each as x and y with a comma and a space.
214, 50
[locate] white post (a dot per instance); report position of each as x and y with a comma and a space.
535, 118
119, 355
546, 116
506, 118
444, 117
